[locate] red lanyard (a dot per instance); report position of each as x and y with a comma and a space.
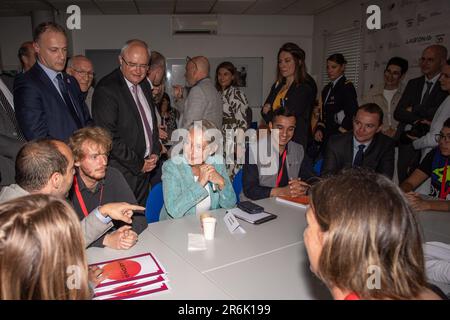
352, 296
280, 174
444, 191
80, 197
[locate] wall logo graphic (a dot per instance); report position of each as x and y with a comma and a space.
374, 20
440, 38
420, 19
409, 22
74, 20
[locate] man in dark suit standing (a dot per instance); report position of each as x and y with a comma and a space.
48, 102
365, 147
122, 103
417, 106
11, 138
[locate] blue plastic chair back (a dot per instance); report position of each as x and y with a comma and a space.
155, 201
237, 184
318, 167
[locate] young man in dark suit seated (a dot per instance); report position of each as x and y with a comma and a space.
279, 173
364, 147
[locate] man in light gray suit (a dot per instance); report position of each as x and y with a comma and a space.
11, 138
47, 167
203, 100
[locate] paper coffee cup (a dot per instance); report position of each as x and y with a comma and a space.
209, 227
203, 216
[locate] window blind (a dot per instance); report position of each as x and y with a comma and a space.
348, 42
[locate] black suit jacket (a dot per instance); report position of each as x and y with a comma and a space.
412, 96
40, 109
379, 156
114, 108
299, 100
342, 98
10, 145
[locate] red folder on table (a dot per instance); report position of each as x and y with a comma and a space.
135, 293
302, 201
121, 271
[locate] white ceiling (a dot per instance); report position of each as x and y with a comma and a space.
97, 7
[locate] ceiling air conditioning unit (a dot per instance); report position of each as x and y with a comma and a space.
194, 24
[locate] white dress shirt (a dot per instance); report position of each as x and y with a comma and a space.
148, 113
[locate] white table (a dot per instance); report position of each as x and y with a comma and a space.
268, 262
227, 248
280, 274
435, 226
184, 281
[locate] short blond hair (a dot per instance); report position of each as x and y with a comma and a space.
368, 223
96, 135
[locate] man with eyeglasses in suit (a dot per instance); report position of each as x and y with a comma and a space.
123, 104
436, 166
81, 68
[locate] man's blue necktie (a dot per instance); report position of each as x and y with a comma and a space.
65, 93
358, 161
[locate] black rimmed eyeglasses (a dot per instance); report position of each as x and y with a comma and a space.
438, 137
135, 65
88, 74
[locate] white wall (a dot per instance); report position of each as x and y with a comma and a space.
13, 32
239, 36
337, 18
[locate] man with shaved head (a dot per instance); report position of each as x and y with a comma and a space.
81, 68
203, 100
122, 103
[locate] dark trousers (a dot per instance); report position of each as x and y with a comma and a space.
141, 188
142, 183
155, 174
408, 161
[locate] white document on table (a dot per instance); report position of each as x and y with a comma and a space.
109, 290
196, 242
145, 291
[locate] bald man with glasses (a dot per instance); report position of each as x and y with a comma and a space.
203, 101
82, 69
122, 103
